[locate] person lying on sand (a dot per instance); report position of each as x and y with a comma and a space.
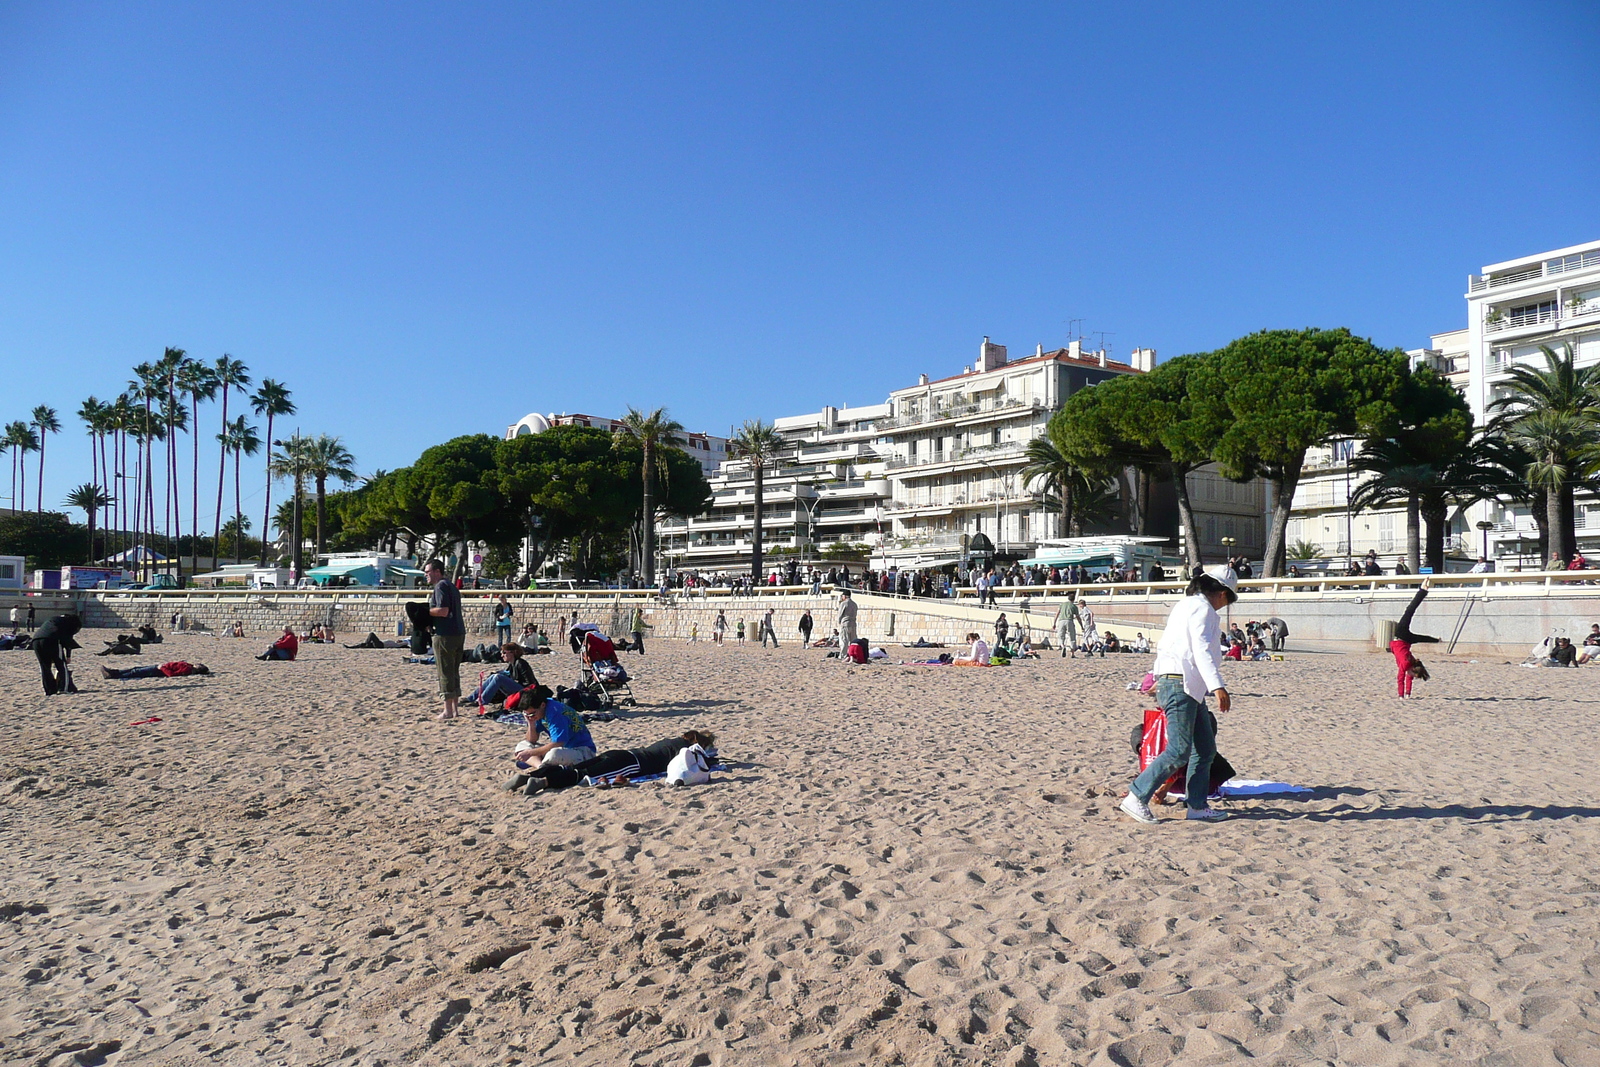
977, 655
616, 766
569, 743
175, 669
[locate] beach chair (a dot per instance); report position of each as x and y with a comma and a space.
601, 674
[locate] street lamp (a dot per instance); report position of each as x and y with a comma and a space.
1485, 526
1227, 545
999, 520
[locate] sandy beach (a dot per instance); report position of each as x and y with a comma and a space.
902, 864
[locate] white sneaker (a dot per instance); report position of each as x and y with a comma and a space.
1137, 808
1206, 814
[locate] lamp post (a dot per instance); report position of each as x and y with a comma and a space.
1484, 525
1227, 546
999, 519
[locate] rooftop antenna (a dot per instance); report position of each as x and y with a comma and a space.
1074, 329
1100, 340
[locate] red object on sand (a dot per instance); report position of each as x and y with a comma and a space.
146, 722
1154, 740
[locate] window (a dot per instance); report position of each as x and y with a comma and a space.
1211, 530
1386, 531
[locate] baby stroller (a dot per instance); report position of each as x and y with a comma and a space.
601, 675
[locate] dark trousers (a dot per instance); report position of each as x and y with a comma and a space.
638, 641
53, 667
128, 673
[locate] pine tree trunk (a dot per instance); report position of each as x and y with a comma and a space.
1282, 502
1191, 536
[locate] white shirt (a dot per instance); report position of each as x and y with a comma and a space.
1191, 646
980, 651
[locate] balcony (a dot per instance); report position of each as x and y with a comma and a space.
1549, 268
1499, 322
1009, 450
945, 412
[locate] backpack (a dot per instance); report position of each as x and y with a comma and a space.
691, 766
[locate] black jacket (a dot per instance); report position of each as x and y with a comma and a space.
61, 628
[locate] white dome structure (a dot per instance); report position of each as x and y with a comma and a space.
529, 424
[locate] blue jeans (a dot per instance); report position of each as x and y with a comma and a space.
502, 631
129, 673
496, 688
1190, 738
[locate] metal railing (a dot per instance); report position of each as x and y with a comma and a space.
1477, 283
958, 411
957, 455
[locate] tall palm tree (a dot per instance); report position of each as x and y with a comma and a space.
91, 499
271, 400
240, 439
290, 463
1554, 414
144, 387
198, 382
230, 374
7, 444
46, 422
22, 439
326, 457
93, 414
757, 443
652, 431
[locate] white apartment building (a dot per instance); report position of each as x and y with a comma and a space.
1513, 308
826, 488
956, 447
709, 449
1550, 299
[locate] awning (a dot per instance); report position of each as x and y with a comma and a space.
1065, 559
334, 570
408, 572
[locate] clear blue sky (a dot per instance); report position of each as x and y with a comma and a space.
430, 219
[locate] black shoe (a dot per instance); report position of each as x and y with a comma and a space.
535, 786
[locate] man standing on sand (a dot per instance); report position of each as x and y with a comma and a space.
1067, 625
847, 624
1187, 668
449, 635
767, 630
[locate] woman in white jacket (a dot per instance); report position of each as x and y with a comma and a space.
1187, 669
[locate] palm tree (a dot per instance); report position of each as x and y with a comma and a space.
46, 422
652, 431
22, 439
95, 417
1555, 415
326, 457
291, 463
91, 499
240, 439
230, 374
758, 444
1055, 474
271, 400
1426, 473
198, 382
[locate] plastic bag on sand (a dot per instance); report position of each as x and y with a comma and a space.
689, 767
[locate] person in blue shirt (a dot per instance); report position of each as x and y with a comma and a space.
569, 743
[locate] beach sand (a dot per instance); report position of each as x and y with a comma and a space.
912, 865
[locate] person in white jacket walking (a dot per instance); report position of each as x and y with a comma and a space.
1188, 667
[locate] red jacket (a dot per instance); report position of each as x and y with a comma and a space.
290, 643
177, 669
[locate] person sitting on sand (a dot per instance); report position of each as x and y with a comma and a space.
570, 742
175, 669
285, 647
1113, 642
516, 677
977, 656
1141, 643
615, 766
237, 629
1562, 654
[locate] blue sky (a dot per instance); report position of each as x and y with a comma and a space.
431, 219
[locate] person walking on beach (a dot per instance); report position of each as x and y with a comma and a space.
806, 626
847, 624
767, 630
449, 636
1067, 625
1409, 667
1188, 667
636, 628
719, 627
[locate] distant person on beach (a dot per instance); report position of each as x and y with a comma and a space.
449, 636
847, 624
767, 630
636, 628
175, 669
1188, 667
16, 618
569, 743
612, 767
806, 625
502, 620
1067, 625
719, 627
53, 644
286, 647
977, 655
1409, 667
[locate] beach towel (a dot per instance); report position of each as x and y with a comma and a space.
1249, 787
